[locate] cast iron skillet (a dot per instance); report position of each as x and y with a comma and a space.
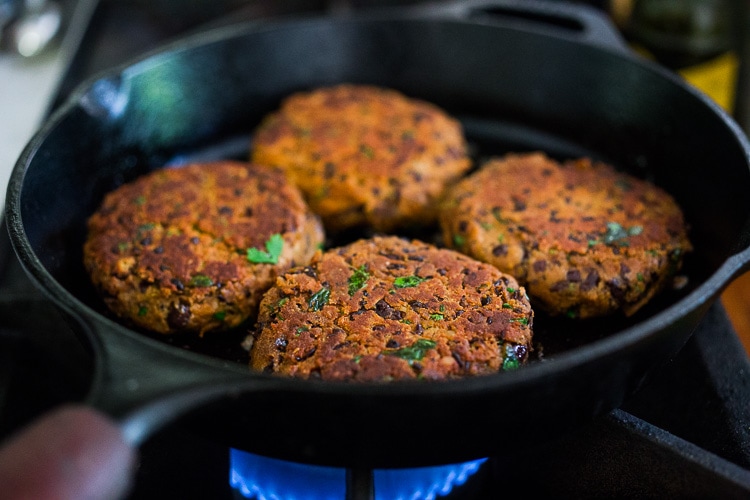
546, 78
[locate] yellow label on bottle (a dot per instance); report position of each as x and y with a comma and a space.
716, 77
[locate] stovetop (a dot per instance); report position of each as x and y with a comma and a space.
686, 433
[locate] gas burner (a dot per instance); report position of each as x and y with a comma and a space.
257, 477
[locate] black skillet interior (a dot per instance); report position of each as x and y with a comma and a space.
514, 90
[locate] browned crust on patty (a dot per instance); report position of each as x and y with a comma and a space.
389, 308
364, 155
585, 239
168, 251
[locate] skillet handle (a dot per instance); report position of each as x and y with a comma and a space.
579, 23
145, 385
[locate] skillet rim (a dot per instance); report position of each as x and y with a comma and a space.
629, 337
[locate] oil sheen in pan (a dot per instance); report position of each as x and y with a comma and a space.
486, 137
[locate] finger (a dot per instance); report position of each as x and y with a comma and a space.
71, 453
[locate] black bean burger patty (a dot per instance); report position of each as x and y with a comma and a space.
364, 155
192, 249
388, 308
584, 239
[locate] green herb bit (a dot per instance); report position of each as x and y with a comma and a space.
274, 309
274, 245
319, 299
523, 321
511, 289
140, 200
497, 215
414, 352
458, 240
367, 151
358, 279
220, 315
142, 311
614, 232
510, 359
408, 281
200, 280
437, 317
623, 184
617, 233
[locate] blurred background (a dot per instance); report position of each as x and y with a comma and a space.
47, 47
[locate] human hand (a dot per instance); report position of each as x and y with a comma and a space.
73, 452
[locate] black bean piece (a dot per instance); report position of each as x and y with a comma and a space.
540, 266
306, 355
573, 275
591, 281
178, 316
624, 269
615, 289
281, 345
385, 311
500, 250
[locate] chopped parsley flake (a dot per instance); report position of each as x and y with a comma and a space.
408, 281
220, 315
274, 309
274, 245
319, 299
414, 352
437, 317
358, 279
367, 151
458, 240
615, 233
200, 280
510, 359
142, 311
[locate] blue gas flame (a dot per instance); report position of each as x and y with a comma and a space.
263, 478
